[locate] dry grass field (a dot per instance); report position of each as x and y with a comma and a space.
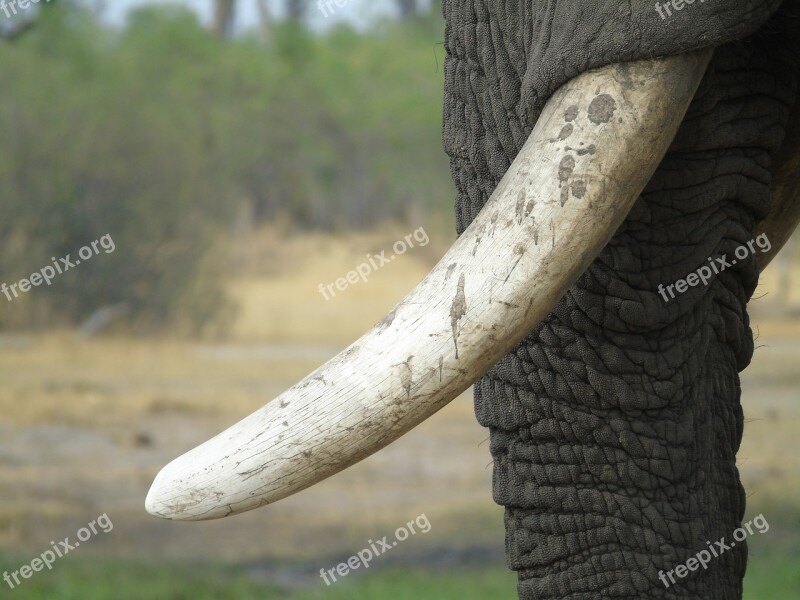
86, 424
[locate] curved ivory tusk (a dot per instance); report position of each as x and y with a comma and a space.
595, 146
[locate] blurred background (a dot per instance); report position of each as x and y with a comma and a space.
240, 153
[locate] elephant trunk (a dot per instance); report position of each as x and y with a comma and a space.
615, 424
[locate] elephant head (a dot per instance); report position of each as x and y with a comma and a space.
611, 161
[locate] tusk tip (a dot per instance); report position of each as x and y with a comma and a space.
219, 478
173, 497
161, 498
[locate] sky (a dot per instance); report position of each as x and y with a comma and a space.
357, 12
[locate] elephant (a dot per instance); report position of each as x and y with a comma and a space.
623, 171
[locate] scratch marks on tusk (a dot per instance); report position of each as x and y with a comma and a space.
495, 216
478, 237
520, 210
406, 376
388, 319
458, 310
450, 268
519, 250
524, 209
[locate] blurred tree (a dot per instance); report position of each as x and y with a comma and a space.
264, 19
162, 138
407, 8
295, 10
224, 17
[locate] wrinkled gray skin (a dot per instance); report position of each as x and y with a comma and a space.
615, 424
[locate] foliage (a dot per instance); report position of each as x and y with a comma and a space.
173, 141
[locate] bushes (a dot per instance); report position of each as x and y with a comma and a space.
161, 136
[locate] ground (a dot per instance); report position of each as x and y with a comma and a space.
87, 423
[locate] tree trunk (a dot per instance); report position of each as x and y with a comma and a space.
295, 9
265, 20
407, 8
224, 17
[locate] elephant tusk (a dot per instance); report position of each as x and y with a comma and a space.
594, 148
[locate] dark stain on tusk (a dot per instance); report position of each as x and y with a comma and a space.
565, 168
571, 113
458, 310
602, 109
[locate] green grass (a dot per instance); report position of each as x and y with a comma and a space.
495, 583
85, 579
776, 578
